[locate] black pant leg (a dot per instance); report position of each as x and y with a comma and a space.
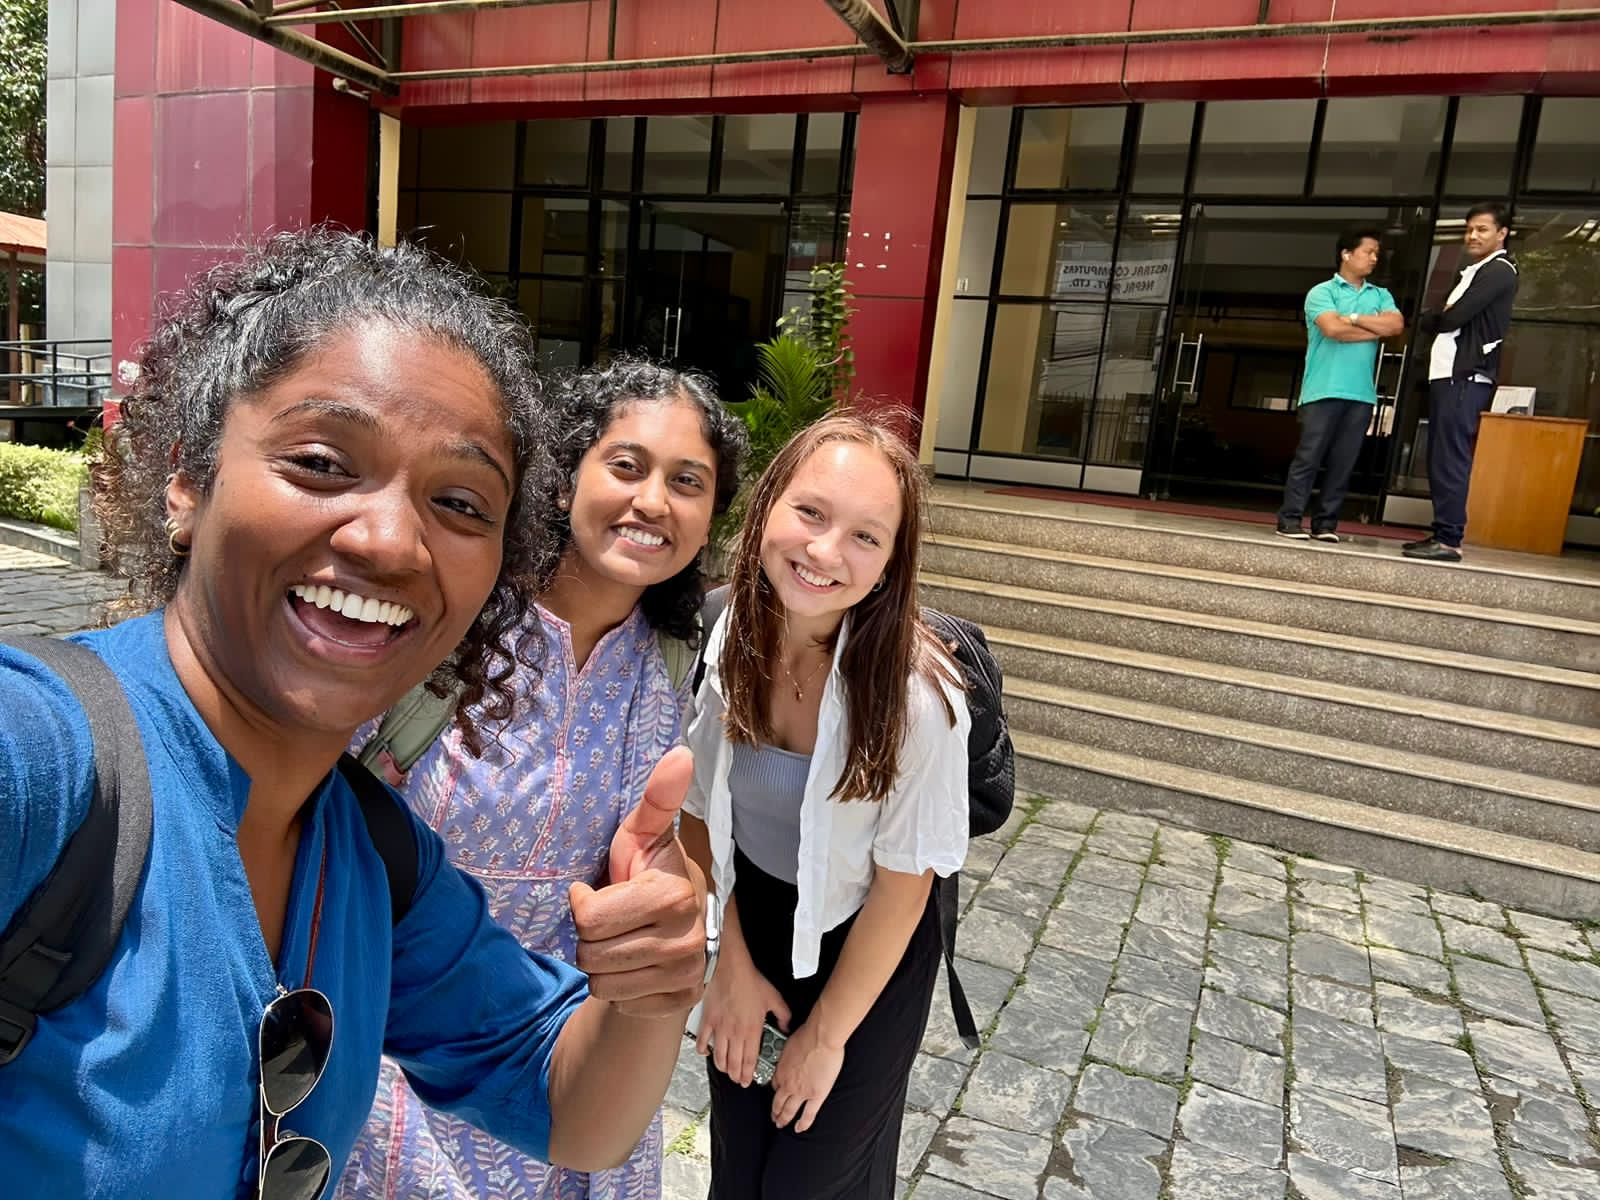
1454, 409
1348, 431
742, 1134
1315, 421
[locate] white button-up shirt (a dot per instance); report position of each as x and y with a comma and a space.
921, 825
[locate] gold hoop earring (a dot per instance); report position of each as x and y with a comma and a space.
878, 587
179, 549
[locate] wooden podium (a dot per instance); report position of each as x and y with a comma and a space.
1522, 479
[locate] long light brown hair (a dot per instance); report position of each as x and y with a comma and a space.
888, 640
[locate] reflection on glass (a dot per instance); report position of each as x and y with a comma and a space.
556, 154
554, 309
613, 260
756, 153
1042, 362
555, 235
975, 261
811, 242
677, 154
824, 146
617, 169
467, 156
1147, 254
1251, 148
990, 132
1383, 146
1058, 250
1566, 154
471, 228
1164, 134
1070, 148
1125, 392
1484, 146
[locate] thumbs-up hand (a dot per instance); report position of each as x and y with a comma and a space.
642, 937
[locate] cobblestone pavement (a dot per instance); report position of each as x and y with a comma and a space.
1178, 1016
40, 593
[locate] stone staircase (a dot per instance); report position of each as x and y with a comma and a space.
1440, 723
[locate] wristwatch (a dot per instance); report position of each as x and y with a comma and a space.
1353, 318
713, 934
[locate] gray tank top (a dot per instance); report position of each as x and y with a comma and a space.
768, 785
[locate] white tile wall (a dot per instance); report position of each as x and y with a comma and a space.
94, 121
93, 201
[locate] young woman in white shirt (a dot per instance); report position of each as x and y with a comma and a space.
829, 738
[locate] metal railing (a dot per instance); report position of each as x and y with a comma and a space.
43, 373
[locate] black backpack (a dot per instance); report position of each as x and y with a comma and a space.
991, 783
62, 937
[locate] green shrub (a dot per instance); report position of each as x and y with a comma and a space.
41, 485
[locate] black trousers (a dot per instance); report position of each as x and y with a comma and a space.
849, 1152
1331, 433
1454, 409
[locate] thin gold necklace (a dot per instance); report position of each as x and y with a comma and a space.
799, 687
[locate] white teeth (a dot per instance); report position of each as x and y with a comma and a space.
356, 608
640, 538
812, 577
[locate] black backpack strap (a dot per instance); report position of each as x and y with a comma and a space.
390, 830
710, 609
61, 939
946, 894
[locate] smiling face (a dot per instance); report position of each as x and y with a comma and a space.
642, 497
830, 533
380, 468
1482, 237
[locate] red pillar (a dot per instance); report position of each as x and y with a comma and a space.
219, 139
905, 145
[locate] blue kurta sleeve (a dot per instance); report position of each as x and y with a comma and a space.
473, 1017
46, 774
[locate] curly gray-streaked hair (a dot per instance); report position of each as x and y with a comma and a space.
249, 321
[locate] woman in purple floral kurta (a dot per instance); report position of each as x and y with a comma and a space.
649, 455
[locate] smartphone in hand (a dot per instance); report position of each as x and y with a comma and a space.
773, 1040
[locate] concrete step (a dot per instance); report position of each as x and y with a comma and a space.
1399, 780
1466, 628
1482, 579
1553, 693
1513, 870
1368, 716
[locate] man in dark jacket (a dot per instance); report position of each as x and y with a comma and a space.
1463, 366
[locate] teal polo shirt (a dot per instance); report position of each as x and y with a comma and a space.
1341, 370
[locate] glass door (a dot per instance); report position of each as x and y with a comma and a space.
1226, 425
705, 284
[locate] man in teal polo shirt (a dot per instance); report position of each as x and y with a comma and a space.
1346, 318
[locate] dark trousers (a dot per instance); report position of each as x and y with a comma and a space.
1331, 433
849, 1153
1454, 408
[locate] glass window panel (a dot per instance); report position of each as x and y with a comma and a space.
677, 154
811, 242
1147, 254
467, 156
980, 230
473, 228
1385, 146
1125, 393
405, 218
554, 308
1042, 362
1058, 250
990, 134
824, 148
1165, 131
555, 154
1566, 154
757, 151
1558, 265
1070, 148
1484, 147
613, 238
410, 154
555, 236
617, 170
607, 332
1255, 147
957, 385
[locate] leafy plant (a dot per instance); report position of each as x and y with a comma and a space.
824, 323
39, 484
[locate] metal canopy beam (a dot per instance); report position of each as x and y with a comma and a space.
319, 54
876, 33
293, 13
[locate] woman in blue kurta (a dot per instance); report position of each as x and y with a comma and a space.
330, 478
648, 456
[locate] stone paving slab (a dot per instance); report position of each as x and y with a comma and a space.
40, 593
1172, 1016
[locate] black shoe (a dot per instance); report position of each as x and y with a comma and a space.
1419, 542
1432, 551
1325, 535
1292, 529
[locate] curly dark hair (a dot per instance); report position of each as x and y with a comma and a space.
248, 322
586, 402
